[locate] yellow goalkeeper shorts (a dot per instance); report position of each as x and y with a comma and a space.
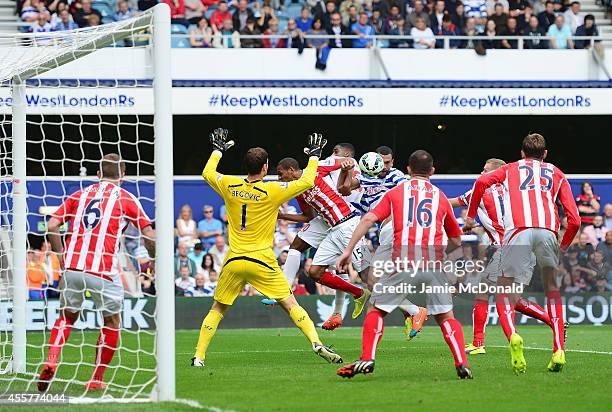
260, 269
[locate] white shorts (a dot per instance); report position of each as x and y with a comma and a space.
314, 232
336, 241
385, 237
107, 295
520, 249
391, 291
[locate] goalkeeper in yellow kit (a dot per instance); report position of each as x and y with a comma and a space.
252, 210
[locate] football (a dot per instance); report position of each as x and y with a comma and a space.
371, 164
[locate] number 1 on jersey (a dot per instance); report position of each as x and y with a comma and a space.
243, 220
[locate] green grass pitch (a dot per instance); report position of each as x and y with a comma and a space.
274, 370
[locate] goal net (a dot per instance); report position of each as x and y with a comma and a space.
66, 100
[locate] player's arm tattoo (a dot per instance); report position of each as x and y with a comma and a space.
149, 240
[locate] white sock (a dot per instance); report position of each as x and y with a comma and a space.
340, 295
409, 308
292, 265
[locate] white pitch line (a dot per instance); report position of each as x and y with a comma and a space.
198, 405
596, 352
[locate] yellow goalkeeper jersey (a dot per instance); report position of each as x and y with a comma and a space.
252, 207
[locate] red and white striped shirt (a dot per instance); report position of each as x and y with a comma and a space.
422, 217
532, 188
98, 215
490, 211
324, 197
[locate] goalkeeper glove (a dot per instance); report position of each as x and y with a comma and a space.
316, 143
218, 139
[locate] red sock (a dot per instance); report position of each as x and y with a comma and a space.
555, 311
336, 282
453, 335
480, 315
533, 310
373, 328
105, 350
506, 314
59, 335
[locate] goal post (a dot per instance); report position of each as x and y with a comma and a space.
27, 59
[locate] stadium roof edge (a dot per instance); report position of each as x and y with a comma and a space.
521, 84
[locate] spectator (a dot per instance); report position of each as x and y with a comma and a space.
186, 226
213, 278
601, 284
182, 260
363, 30
273, 43
573, 17
50, 262
201, 36
250, 29
598, 265
82, 15
491, 4
199, 289
317, 29
283, 235
31, 9
144, 5
197, 254
223, 210
500, 18
377, 22
422, 36
209, 227
35, 275
490, 31
535, 33
94, 20
560, 34
330, 9
226, 37
583, 250
588, 202
547, 17
55, 16
194, 11
470, 30
295, 36
517, 8
219, 251
123, 12
608, 215
511, 30
523, 20
267, 15
596, 231
338, 29
41, 25
605, 247
400, 29
177, 12
587, 29
391, 19
147, 284
241, 15
477, 9
219, 15
317, 7
208, 265
350, 10
436, 16
459, 18
417, 12
304, 22
185, 280
448, 29
298, 288
282, 257
211, 3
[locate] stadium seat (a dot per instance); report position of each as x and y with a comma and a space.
180, 42
105, 10
293, 10
178, 29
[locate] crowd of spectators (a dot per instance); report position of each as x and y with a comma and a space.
220, 23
